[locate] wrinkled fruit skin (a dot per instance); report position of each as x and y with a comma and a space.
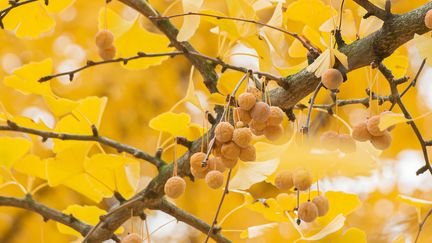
175, 187
104, 39
372, 126
230, 150
361, 133
260, 112
302, 180
307, 212
322, 205
242, 115
347, 143
246, 101
107, 53
229, 163
196, 161
224, 132
276, 116
273, 133
256, 125
214, 179
215, 163
248, 153
256, 92
242, 137
332, 79
330, 140
284, 180
132, 238
382, 142
428, 19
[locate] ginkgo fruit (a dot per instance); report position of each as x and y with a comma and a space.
382, 142
248, 153
104, 39
246, 101
229, 163
273, 133
256, 92
322, 205
284, 180
196, 161
198, 174
256, 125
428, 19
224, 132
347, 143
107, 53
276, 116
242, 115
216, 151
373, 126
257, 132
132, 238
307, 212
242, 137
332, 78
260, 112
175, 187
215, 163
329, 140
360, 132
230, 150
214, 179
302, 179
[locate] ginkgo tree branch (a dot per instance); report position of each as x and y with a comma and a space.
13, 4
374, 10
120, 147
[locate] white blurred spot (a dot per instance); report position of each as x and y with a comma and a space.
68, 14
37, 115
246, 61
60, 43
10, 61
65, 66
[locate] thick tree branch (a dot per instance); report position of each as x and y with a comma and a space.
374, 10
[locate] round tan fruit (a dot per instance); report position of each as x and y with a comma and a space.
276, 116
428, 19
284, 180
230, 150
260, 112
214, 179
382, 142
273, 133
132, 238
302, 179
107, 53
174, 187
256, 125
332, 79
224, 132
246, 101
242, 115
242, 137
217, 149
330, 140
198, 175
215, 163
322, 205
257, 132
307, 212
104, 39
256, 92
347, 143
229, 163
373, 126
196, 162
360, 132
390, 128
248, 153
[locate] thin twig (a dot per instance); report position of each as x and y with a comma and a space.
13, 4
422, 224
312, 101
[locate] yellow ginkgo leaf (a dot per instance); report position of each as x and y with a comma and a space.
416, 202
257, 230
228, 80
57, 6
349, 29
60, 106
399, 239
336, 224
351, 235
369, 25
31, 165
228, 27
108, 19
190, 23
424, 46
191, 95
102, 167
398, 63
285, 71
12, 149
388, 119
87, 214
310, 12
216, 99
351, 203
137, 39
26, 78
127, 178
164, 123
88, 186
250, 173
314, 37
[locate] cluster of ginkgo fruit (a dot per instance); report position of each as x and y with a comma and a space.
132, 238
302, 180
262, 118
105, 42
369, 131
332, 141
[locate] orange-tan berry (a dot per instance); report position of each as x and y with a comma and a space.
428, 19
175, 187
214, 179
248, 153
347, 143
382, 142
196, 161
224, 132
256, 92
360, 132
302, 179
322, 205
198, 175
132, 238
329, 140
246, 101
242, 115
273, 133
229, 163
307, 212
256, 125
284, 180
276, 116
215, 163
332, 78
104, 39
230, 150
216, 151
107, 53
242, 137
373, 126
260, 112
